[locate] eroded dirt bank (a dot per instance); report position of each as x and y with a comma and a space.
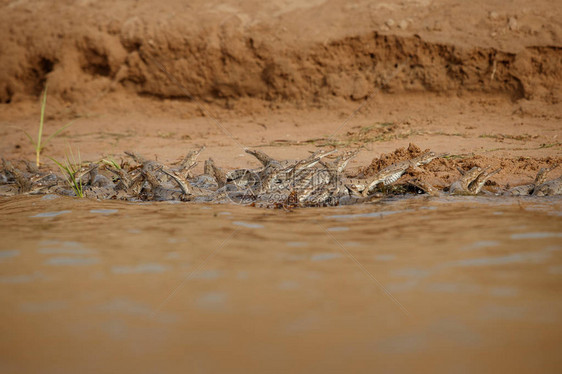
275, 52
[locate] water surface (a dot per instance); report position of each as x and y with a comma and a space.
456, 285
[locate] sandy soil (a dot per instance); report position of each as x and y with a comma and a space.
160, 77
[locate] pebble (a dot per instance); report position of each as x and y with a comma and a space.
437, 26
403, 24
512, 23
494, 15
389, 22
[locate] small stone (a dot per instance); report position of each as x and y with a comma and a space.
403, 24
389, 22
512, 23
494, 15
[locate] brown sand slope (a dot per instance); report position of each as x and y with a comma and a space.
479, 78
292, 50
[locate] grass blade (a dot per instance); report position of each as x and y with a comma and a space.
41, 121
30, 138
57, 132
56, 162
111, 162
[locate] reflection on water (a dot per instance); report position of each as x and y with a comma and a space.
502, 312
505, 291
139, 269
212, 300
50, 197
297, 244
51, 214
127, 307
206, 274
63, 247
385, 257
248, 225
23, 278
457, 284
530, 257
132, 308
453, 288
43, 307
288, 285
480, 244
7, 253
103, 211
337, 228
324, 256
367, 215
72, 261
537, 235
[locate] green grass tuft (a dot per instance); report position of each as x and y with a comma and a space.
70, 169
111, 162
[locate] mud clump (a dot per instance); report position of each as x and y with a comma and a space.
385, 160
442, 171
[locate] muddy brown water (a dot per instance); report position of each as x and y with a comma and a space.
466, 284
